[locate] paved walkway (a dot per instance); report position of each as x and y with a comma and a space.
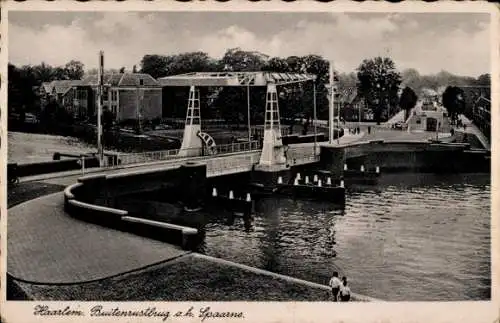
473, 129
48, 246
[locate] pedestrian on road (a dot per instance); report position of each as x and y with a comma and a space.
335, 284
345, 291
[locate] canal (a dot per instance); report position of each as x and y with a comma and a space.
412, 237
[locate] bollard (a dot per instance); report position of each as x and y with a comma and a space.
298, 176
377, 169
231, 195
83, 165
280, 180
342, 183
329, 181
249, 198
319, 183
345, 166
315, 178
362, 168
296, 181
214, 192
307, 180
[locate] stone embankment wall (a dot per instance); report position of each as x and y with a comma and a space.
407, 156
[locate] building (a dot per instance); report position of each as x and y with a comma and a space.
352, 105
129, 96
61, 91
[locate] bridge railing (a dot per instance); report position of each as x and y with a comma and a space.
173, 154
231, 164
238, 147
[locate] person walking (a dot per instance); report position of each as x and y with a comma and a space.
335, 285
345, 291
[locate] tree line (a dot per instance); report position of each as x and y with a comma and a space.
376, 80
24, 81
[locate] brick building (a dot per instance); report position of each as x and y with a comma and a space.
129, 96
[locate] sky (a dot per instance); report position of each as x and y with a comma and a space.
429, 42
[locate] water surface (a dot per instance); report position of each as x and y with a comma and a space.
411, 237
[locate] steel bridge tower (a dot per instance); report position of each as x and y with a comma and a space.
273, 153
191, 143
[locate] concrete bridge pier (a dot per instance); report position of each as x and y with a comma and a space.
273, 161
191, 143
192, 185
333, 159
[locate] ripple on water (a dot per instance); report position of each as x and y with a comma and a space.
410, 238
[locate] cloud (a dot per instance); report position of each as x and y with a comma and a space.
346, 38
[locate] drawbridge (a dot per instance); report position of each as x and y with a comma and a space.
195, 142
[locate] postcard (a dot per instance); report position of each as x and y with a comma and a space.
249, 162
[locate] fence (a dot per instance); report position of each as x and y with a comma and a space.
173, 154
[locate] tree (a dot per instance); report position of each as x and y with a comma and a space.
43, 73
154, 65
379, 84
276, 64
122, 70
238, 60
408, 100
484, 80
134, 69
454, 101
60, 73
190, 62
74, 70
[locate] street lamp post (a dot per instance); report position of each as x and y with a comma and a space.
330, 110
315, 116
248, 112
100, 90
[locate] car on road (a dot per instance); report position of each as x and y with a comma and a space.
400, 125
30, 118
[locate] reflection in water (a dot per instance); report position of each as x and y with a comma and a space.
412, 237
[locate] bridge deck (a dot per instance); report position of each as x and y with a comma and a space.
472, 129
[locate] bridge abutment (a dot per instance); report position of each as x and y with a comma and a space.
193, 179
333, 159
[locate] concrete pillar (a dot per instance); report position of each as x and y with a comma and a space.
332, 159
192, 185
191, 143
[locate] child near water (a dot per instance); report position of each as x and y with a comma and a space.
335, 284
345, 291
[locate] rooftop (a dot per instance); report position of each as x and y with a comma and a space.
60, 86
122, 80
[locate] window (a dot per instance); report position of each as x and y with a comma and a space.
105, 94
81, 95
141, 82
114, 109
114, 96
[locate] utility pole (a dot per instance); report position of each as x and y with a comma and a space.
248, 111
100, 90
330, 110
315, 116
359, 115
338, 117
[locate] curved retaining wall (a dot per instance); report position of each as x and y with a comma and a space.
88, 200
